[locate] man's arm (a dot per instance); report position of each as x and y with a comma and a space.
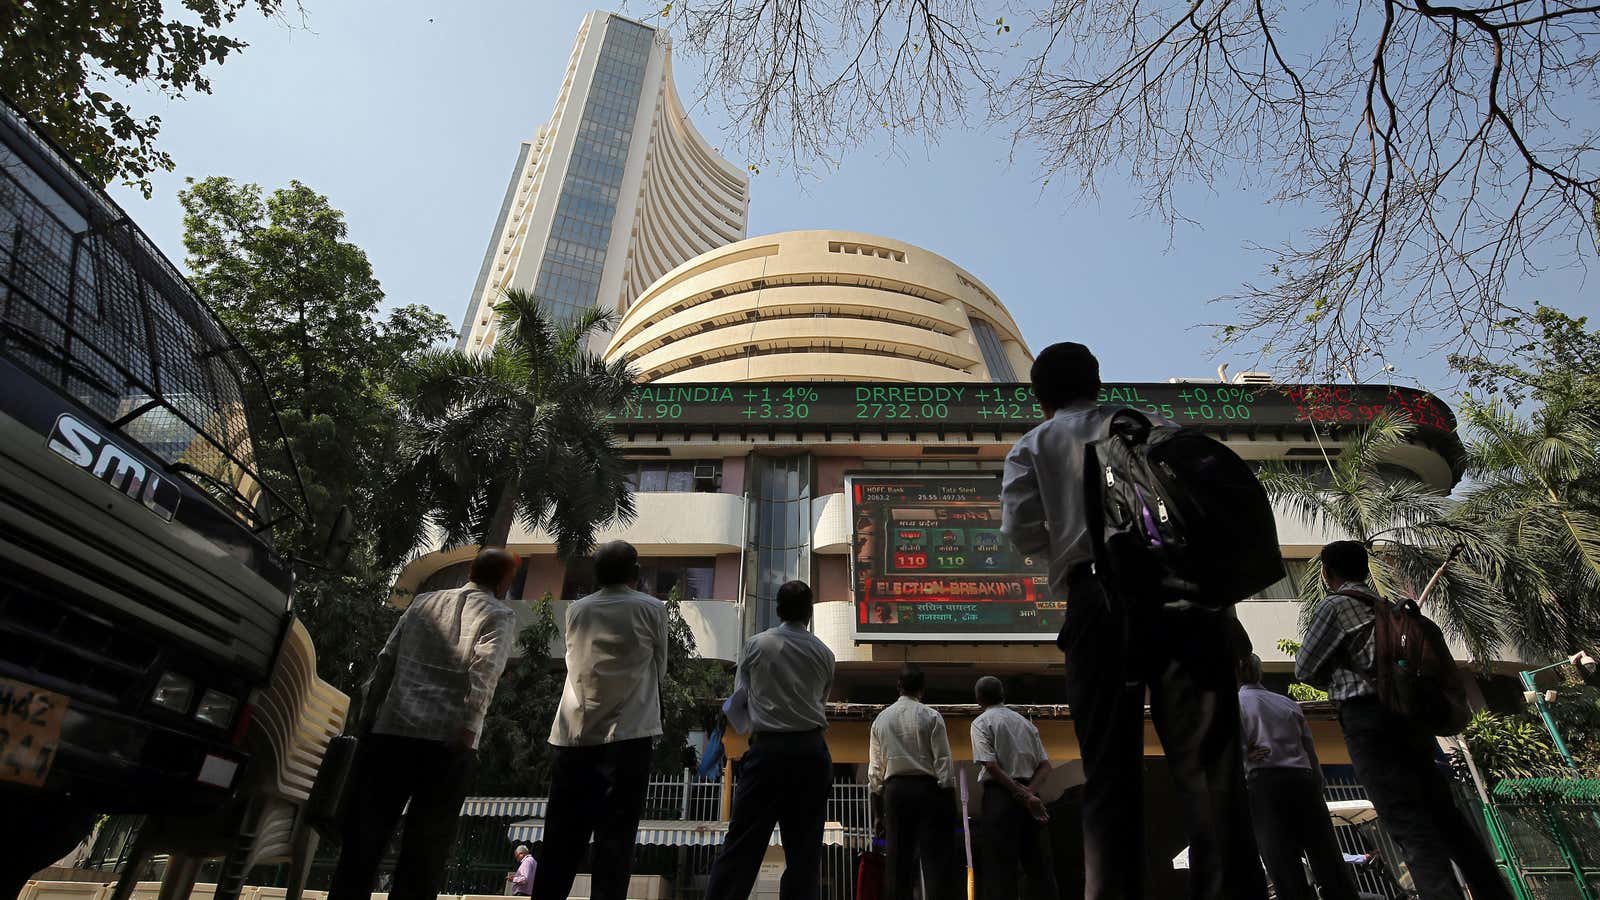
1022, 518
661, 646
875, 761
489, 657
1024, 796
377, 686
1319, 651
1310, 746
943, 767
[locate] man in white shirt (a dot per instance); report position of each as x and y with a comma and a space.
610, 710
784, 778
910, 776
1286, 793
1119, 646
420, 720
1012, 816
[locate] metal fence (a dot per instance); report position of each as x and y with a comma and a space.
483, 856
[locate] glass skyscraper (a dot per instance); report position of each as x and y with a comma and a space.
613, 192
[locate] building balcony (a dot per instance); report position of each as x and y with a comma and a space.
830, 525
666, 524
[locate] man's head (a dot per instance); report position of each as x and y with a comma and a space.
1064, 374
616, 563
912, 680
794, 602
989, 691
494, 568
1250, 669
1344, 561
522, 852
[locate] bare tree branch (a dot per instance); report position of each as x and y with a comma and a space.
1450, 147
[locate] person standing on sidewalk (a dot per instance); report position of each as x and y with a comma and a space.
1012, 815
910, 775
421, 715
1121, 648
610, 710
1286, 789
1392, 755
785, 775
521, 880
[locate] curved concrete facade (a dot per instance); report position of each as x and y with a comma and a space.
820, 306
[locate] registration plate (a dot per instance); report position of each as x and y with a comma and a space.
30, 731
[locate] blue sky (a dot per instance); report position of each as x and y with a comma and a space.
408, 115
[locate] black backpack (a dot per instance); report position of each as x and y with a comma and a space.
1174, 514
1414, 672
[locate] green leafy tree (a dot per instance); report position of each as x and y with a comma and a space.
514, 751
1556, 367
1530, 489
281, 272
58, 58
692, 683
1302, 693
521, 432
1509, 747
1409, 526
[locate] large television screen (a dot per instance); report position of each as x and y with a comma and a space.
928, 563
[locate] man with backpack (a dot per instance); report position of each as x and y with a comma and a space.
1121, 640
1391, 747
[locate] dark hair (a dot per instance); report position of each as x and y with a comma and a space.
990, 691
1346, 559
615, 563
794, 601
1065, 372
911, 679
1239, 643
492, 565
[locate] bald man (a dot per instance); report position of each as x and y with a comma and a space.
420, 720
610, 711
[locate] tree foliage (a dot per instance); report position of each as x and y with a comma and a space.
1447, 148
1409, 526
59, 57
1510, 747
280, 271
514, 751
521, 432
1531, 490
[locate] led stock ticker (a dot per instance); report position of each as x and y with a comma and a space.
978, 404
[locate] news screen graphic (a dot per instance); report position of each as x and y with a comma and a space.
928, 562
963, 405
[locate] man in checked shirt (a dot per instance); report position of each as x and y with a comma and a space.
1392, 756
423, 710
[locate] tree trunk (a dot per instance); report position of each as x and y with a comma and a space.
498, 531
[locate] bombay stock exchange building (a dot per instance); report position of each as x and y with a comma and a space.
836, 407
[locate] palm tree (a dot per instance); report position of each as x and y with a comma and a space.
1409, 526
520, 433
1533, 488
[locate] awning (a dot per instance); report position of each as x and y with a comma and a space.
1351, 812
504, 806
677, 833
1343, 812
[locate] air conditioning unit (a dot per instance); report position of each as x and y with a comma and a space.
1253, 378
705, 473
